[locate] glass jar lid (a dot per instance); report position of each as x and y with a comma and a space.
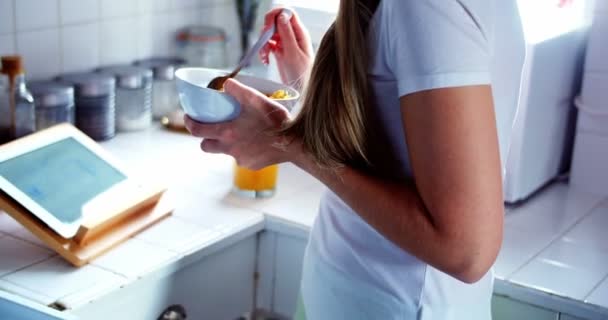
163, 68
88, 84
129, 77
205, 34
48, 94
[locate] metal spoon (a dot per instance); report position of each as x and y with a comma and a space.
217, 83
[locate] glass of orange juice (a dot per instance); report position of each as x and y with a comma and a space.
256, 183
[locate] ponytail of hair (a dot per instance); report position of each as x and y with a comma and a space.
332, 120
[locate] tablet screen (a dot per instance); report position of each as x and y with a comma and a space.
61, 177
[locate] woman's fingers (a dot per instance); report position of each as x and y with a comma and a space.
202, 130
245, 95
296, 35
301, 34
286, 32
270, 16
251, 98
213, 146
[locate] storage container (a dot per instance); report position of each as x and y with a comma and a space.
593, 92
5, 109
54, 103
95, 103
597, 48
590, 160
133, 96
164, 93
202, 46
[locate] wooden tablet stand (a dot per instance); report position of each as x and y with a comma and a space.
95, 236
105, 225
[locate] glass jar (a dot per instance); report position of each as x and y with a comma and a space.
203, 46
94, 103
164, 93
25, 114
5, 110
133, 96
54, 103
21, 103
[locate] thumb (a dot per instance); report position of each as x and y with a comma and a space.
244, 95
251, 99
286, 32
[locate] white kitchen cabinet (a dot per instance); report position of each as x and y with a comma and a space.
280, 267
505, 308
17, 308
217, 286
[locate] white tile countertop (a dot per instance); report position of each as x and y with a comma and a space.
554, 254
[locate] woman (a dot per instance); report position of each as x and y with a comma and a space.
399, 120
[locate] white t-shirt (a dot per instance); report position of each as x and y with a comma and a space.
417, 45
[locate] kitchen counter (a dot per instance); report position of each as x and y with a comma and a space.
554, 254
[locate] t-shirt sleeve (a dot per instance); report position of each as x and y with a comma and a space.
437, 44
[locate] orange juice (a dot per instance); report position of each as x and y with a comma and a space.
260, 183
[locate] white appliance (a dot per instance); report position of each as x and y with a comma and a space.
541, 143
590, 160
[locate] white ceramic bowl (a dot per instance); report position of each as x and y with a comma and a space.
209, 106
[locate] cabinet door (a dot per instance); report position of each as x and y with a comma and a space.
218, 286
17, 308
504, 308
290, 254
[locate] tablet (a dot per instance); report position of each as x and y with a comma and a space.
57, 173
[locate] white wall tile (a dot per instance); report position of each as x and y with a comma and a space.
8, 225
177, 235
584, 258
7, 22
553, 211
183, 18
225, 17
162, 35
118, 41
557, 279
518, 247
599, 295
213, 3
134, 258
145, 37
56, 278
31, 295
185, 4
128, 30
591, 231
35, 14
80, 47
27, 236
156, 35
17, 254
75, 11
118, 8
148, 6
40, 50
7, 44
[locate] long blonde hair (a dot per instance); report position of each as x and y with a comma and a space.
332, 121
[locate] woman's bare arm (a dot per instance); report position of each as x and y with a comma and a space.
452, 216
